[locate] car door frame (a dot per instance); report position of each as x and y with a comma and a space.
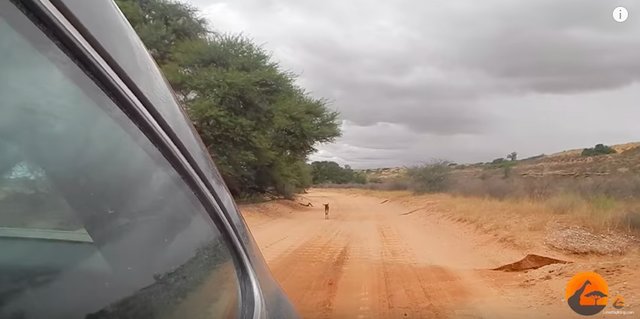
57, 26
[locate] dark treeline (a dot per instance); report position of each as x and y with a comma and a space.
258, 125
325, 172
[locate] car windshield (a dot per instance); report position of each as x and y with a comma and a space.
94, 221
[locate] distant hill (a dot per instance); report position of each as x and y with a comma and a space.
572, 163
619, 148
568, 163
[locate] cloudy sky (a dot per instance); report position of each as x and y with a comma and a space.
465, 81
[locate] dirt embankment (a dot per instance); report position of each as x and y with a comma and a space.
391, 255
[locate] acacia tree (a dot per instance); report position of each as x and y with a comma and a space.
596, 295
259, 126
163, 24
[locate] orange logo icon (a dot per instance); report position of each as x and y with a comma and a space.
587, 293
618, 303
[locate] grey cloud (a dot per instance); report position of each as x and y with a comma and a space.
380, 136
553, 46
451, 75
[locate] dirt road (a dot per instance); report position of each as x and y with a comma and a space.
376, 259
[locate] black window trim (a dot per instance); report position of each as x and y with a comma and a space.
99, 70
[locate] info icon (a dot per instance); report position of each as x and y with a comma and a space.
620, 14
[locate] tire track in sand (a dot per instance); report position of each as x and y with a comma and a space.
311, 273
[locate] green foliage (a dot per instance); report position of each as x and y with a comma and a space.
359, 178
259, 126
603, 202
501, 163
430, 178
163, 24
326, 172
375, 180
513, 156
599, 149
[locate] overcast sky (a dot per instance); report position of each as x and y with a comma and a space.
465, 81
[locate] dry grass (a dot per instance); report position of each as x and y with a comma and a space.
529, 223
599, 214
602, 203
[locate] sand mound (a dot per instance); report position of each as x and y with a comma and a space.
530, 262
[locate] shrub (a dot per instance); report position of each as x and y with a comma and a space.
430, 178
617, 186
375, 180
599, 149
540, 188
359, 178
331, 172
500, 188
630, 220
565, 203
490, 186
396, 185
603, 203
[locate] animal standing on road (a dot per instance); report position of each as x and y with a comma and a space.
326, 211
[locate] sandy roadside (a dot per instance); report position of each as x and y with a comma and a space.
383, 257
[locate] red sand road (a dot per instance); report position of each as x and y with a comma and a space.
378, 260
